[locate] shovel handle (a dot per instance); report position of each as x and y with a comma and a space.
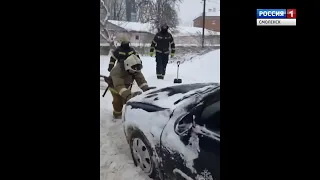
105, 91
178, 69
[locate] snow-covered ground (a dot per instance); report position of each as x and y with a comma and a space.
115, 159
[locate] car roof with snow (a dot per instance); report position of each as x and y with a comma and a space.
170, 97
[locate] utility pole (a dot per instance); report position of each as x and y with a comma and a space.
203, 23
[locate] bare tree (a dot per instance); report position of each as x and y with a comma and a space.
104, 15
129, 8
158, 12
116, 8
120, 10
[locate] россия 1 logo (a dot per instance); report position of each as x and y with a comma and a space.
276, 17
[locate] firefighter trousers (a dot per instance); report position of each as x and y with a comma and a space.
117, 103
162, 61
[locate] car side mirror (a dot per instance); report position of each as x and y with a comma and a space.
184, 125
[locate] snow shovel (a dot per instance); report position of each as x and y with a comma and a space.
107, 80
177, 80
105, 91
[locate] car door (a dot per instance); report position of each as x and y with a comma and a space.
176, 151
207, 130
194, 141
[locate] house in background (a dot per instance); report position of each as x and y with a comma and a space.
212, 20
141, 34
113, 32
192, 36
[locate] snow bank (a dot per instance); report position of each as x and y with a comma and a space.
205, 68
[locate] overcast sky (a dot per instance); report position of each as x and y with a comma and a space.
190, 9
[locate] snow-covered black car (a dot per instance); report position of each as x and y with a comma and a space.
174, 132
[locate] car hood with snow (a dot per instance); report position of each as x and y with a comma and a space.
169, 97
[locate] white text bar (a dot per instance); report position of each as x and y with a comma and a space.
276, 22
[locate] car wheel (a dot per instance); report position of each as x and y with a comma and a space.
142, 154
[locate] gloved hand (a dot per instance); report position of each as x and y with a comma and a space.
151, 53
108, 80
172, 55
105, 79
132, 95
110, 67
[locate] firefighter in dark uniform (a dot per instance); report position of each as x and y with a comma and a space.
127, 69
160, 44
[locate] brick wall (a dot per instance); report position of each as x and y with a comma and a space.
211, 23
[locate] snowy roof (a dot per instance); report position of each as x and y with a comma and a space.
147, 27
209, 14
133, 26
213, 13
192, 31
